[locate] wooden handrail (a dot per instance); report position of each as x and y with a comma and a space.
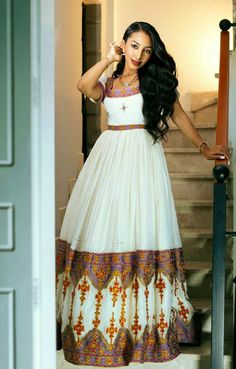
223, 95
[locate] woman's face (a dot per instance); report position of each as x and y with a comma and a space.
137, 49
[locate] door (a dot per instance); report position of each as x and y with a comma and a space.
15, 189
27, 319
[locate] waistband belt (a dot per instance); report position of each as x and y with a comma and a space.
125, 127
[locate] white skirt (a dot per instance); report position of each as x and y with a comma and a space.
121, 288
122, 200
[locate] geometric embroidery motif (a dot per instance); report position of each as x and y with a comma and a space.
160, 284
183, 311
162, 325
126, 282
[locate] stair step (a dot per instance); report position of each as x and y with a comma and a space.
180, 175
205, 114
196, 265
205, 304
198, 203
187, 160
205, 349
198, 243
199, 213
175, 138
194, 233
196, 185
198, 98
201, 304
204, 125
205, 104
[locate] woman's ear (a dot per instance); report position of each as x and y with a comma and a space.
122, 45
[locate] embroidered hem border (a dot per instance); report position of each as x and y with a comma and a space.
102, 267
94, 350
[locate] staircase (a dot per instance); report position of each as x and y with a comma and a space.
192, 186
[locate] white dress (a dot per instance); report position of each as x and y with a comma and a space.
121, 288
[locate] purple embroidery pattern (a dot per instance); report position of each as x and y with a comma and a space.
121, 92
102, 267
159, 342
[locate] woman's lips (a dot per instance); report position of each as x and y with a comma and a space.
135, 62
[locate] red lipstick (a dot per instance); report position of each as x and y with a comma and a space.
135, 62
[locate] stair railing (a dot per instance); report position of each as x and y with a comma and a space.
221, 174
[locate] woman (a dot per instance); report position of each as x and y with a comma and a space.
121, 286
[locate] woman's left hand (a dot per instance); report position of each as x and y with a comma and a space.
218, 152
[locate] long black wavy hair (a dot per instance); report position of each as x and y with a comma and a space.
157, 82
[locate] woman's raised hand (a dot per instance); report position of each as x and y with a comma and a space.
115, 53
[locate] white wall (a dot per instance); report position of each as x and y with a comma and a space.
190, 32
68, 31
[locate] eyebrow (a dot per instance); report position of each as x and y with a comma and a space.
140, 44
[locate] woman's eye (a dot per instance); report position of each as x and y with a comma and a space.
148, 51
134, 46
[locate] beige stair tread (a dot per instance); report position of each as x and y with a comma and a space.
201, 265
196, 175
190, 175
193, 233
196, 125
200, 304
205, 349
185, 150
196, 202
205, 104
197, 265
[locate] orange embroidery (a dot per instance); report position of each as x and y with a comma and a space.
66, 284
136, 327
135, 287
146, 293
115, 289
101, 268
84, 288
111, 330
122, 319
175, 287
161, 286
99, 297
183, 311
79, 327
71, 305
162, 325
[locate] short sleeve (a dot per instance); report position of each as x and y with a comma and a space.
102, 84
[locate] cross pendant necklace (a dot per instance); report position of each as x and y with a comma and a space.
124, 107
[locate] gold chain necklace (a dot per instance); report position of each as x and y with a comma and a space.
127, 84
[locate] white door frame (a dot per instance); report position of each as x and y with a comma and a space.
43, 183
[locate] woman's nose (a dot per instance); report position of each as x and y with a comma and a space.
139, 54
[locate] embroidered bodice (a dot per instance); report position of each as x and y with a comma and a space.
123, 106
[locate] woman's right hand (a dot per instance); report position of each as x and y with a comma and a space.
115, 53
